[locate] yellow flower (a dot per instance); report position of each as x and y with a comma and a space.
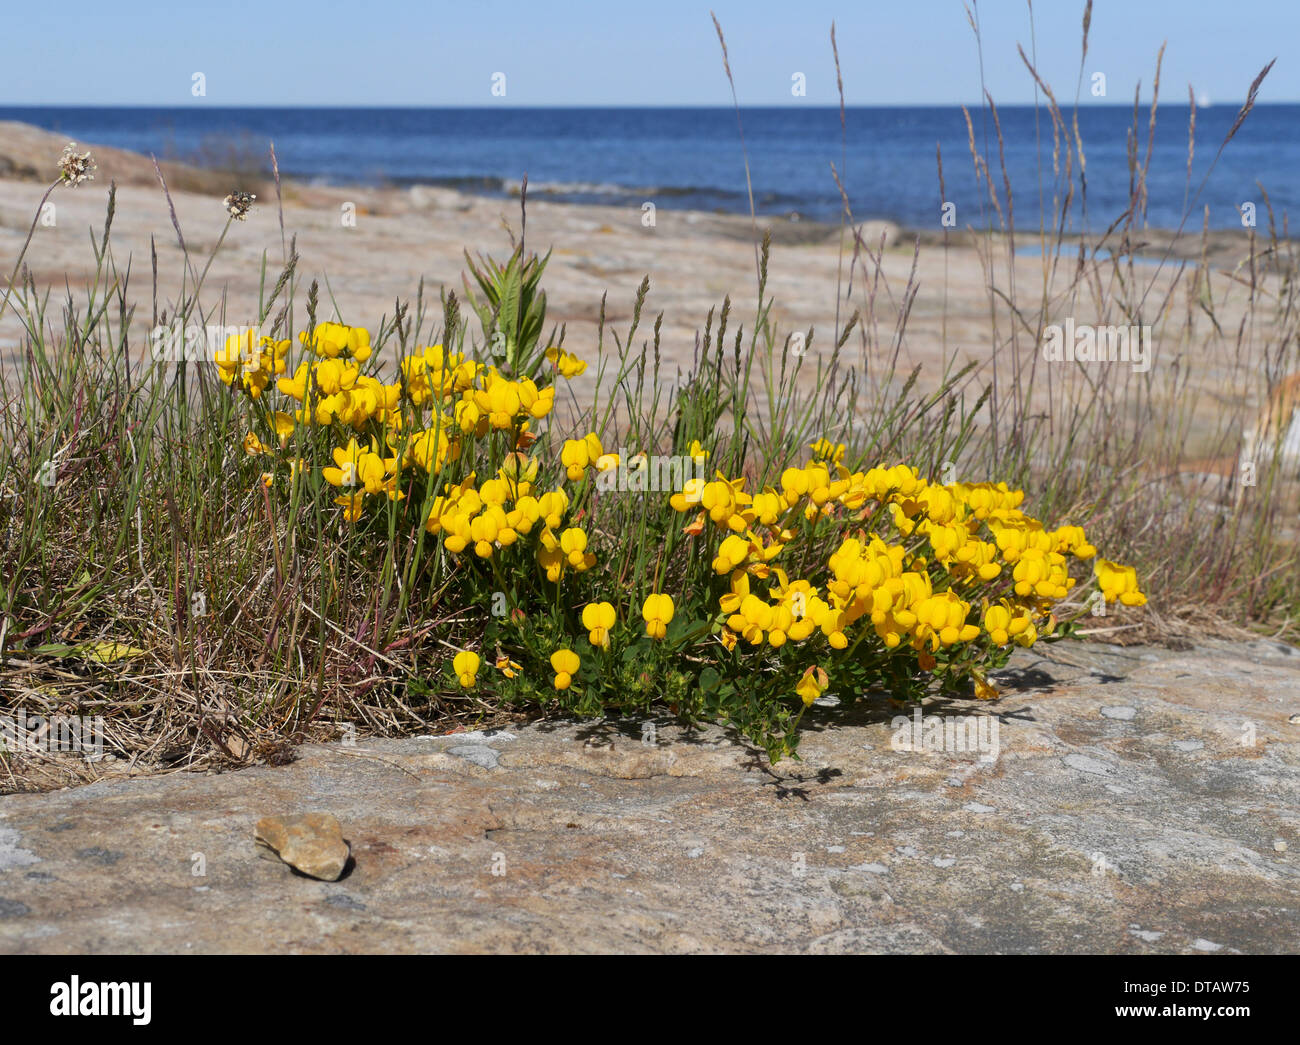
566, 664
752, 619
794, 484
825, 450
253, 446
541, 406
500, 401
689, 497
465, 665
429, 449
489, 528
768, 507
552, 506
579, 454
573, 545
524, 515
257, 359
470, 419
739, 590
1071, 539
1004, 625
1044, 574
812, 685
941, 619
362, 468
567, 364
598, 618
550, 557
1118, 582
333, 376
725, 500
284, 424
733, 552
509, 668
352, 505
456, 526
658, 612
295, 387
332, 340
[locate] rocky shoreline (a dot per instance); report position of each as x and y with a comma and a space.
1141, 800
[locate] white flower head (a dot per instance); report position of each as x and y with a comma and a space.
238, 204
75, 168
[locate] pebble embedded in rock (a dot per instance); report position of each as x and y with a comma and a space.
13, 908
309, 842
1086, 765
479, 754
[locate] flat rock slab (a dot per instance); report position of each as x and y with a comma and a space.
1133, 800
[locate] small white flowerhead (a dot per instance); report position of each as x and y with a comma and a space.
74, 168
238, 204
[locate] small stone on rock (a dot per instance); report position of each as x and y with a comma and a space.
310, 842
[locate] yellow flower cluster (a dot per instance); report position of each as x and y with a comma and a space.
493, 515
825, 558
967, 562
334, 389
361, 472
334, 341
255, 360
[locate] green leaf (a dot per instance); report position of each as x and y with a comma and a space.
103, 652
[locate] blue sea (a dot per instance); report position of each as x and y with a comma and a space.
691, 158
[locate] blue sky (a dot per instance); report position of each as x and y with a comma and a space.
434, 53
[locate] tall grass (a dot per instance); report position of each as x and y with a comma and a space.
1149, 461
